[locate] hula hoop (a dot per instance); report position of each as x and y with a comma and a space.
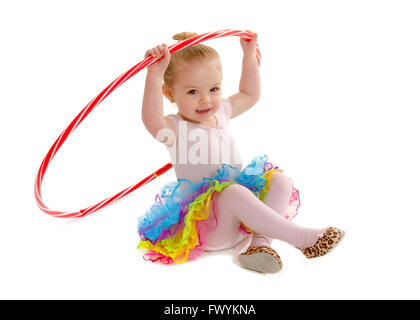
95, 102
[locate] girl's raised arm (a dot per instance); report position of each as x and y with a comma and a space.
250, 83
152, 109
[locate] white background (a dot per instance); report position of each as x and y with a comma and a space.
338, 113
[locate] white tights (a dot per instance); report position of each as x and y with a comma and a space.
236, 204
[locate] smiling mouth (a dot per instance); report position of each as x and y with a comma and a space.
202, 110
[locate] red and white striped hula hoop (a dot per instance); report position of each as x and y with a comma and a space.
95, 102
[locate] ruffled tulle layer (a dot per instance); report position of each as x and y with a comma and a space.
174, 229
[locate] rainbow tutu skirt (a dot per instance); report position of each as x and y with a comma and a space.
174, 228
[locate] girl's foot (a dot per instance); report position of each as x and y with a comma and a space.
262, 259
328, 241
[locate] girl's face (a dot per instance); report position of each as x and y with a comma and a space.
197, 90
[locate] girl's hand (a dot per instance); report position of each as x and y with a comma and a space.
248, 46
160, 51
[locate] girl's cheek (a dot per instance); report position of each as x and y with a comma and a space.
218, 101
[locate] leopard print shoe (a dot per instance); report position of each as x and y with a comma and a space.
262, 259
328, 241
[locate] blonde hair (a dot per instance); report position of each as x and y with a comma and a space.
186, 55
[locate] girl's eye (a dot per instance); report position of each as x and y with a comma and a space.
194, 91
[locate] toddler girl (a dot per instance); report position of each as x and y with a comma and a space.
215, 204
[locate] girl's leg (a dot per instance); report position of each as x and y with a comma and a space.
277, 199
237, 204
227, 230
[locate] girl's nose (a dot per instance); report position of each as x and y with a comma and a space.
204, 99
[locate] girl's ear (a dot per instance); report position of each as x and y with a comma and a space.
167, 93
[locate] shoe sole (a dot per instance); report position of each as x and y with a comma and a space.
343, 233
261, 262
